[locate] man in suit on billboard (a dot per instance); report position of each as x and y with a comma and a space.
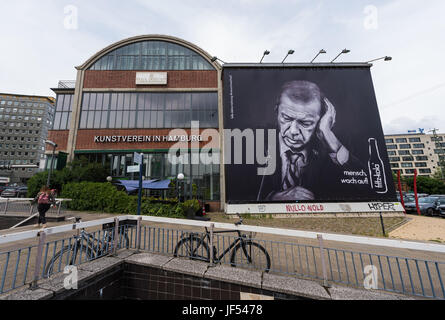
311, 160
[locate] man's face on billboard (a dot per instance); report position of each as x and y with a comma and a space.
297, 121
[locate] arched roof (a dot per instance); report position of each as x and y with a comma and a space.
151, 37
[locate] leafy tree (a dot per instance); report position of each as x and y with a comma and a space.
76, 171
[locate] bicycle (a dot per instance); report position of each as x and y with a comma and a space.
85, 245
244, 251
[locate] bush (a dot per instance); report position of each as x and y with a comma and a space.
76, 171
104, 197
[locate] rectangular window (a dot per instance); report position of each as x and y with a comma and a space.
394, 159
422, 158
421, 164
405, 146
389, 147
409, 171
414, 139
425, 171
408, 158
401, 140
417, 152
407, 165
419, 145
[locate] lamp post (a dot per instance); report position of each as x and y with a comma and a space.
322, 51
288, 53
344, 51
180, 178
216, 58
264, 54
52, 160
385, 58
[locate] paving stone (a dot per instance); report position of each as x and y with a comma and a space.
27, 294
190, 267
234, 275
343, 293
101, 264
148, 259
293, 286
55, 283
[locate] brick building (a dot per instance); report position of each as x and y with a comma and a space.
149, 94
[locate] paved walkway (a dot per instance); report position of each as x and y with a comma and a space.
421, 228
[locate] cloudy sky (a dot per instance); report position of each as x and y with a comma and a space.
42, 41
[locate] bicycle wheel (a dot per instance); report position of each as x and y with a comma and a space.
68, 255
250, 255
192, 247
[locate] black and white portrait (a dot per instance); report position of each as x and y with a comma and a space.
323, 121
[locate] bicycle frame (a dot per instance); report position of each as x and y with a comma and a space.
241, 238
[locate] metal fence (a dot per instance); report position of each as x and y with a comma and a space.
329, 265
25, 206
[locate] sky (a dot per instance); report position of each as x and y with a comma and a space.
42, 41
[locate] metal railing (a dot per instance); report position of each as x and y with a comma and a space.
25, 206
290, 257
67, 84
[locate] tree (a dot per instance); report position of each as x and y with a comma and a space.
76, 171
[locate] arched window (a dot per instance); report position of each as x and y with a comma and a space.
152, 55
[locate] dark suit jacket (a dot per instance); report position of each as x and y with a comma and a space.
322, 177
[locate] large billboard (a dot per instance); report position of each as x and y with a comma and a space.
303, 134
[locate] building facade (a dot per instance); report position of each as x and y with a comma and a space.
408, 152
24, 125
154, 94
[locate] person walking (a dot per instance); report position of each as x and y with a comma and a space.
44, 200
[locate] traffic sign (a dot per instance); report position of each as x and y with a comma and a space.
137, 158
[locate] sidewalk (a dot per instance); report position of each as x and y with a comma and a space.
421, 228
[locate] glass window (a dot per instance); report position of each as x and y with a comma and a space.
152, 55
407, 165
401, 140
419, 145
389, 147
394, 159
404, 152
414, 139
417, 152
421, 164
405, 146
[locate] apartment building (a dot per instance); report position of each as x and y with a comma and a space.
24, 124
408, 152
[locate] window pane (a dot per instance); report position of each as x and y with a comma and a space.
90, 121
63, 120
132, 119
97, 119
112, 123
57, 121
83, 119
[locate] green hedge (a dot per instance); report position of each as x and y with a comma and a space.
104, 197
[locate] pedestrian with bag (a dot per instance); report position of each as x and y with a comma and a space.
44, 200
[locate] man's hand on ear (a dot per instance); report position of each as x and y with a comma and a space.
338, 153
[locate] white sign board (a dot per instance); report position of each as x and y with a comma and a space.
151, 78
4, 180
132, 169
308, 208
137, 158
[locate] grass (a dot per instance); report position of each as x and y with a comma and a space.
357, 226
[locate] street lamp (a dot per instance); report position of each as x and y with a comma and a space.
264, 54
288, 53
322, 51
180, 178
52, 160
344, 51
109, 179
385, 58
216, 58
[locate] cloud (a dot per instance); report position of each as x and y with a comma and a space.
37, 50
